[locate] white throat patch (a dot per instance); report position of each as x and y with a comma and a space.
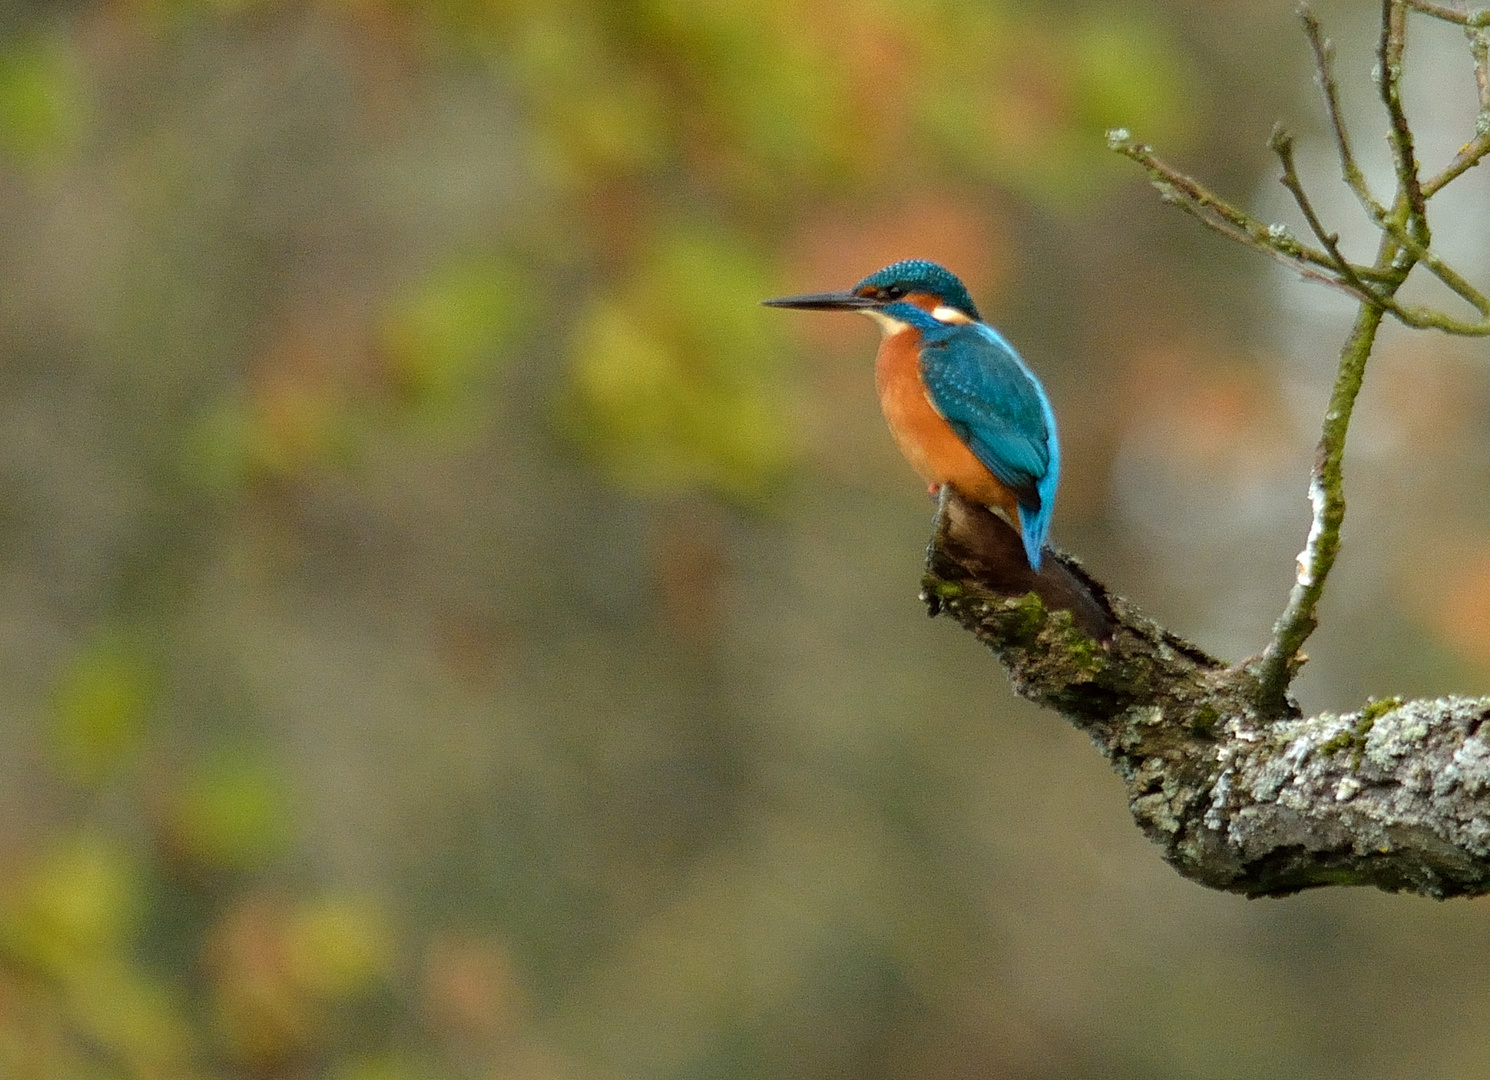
888, 324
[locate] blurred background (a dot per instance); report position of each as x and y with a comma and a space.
449, 630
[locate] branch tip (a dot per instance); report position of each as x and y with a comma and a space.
1280, 141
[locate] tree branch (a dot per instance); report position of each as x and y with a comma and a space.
1393, 795
1283, 656
1323, 51
1233, 223
1389, 79
1472, 152
1242, 792
1405, 244
1463, 18
1281, 143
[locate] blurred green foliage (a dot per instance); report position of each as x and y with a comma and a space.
75, 906
442, 339
66, 933
101, 707
1025, 101
231, 812
41, 97
277, 435
674, 383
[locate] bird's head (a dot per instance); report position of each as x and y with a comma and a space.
917, 282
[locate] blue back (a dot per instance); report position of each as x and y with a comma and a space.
997, 407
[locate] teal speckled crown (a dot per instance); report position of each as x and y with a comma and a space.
922, 276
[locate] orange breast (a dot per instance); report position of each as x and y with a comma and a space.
928, 441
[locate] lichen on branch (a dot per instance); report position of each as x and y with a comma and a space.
1395, 795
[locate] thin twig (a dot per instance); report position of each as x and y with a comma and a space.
1190, 194
1472, 19
1469, 155
1282, 658
1216, 213
1420, 252
1416, 236
1472, 152
1422, 318
1389, 58
1479, 47
1324, 55
1281, 143
1369, 284
1450, 277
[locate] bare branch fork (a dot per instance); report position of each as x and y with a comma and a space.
1243, 793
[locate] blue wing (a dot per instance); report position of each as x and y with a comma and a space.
995, 404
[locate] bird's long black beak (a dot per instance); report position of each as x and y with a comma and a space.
828, 301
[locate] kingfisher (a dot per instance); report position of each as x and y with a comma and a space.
965, 410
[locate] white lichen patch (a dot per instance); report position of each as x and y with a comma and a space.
1477, 836
1316, 530
1144, 716
1469, 769
1270, 778
1283, 237
1298, 751
1347, 789
1393, 736
1140, 716
1215, 813
1157, 810
1150, 770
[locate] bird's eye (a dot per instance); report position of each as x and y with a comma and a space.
893, 292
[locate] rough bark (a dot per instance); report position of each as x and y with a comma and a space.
1243, 797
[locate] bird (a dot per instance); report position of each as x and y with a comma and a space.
963, 407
